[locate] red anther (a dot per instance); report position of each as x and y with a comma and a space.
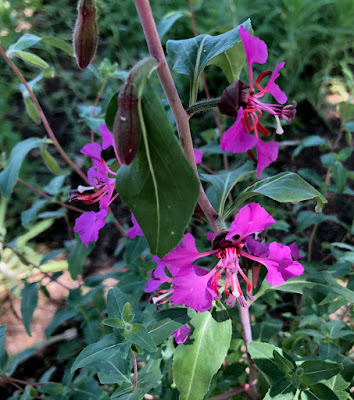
262, 129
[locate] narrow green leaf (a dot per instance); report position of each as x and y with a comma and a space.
283, 363
316, 371
31, 58
8, 177
60, 316
114, 323
94, 354
195, 364
29, 216
59, 44
159, 198
50, 161
284, 187
3, 353
168, 20
116, 300
31, 110
77, 256
321, 392
29, 300
281, 390
111, 111
115, 370
25, 41
166, 322
139, 335
224, 181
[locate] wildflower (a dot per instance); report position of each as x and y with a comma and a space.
237, 138
196, 287
181, 334
101, 190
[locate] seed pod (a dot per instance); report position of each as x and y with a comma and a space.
231, 98
85, 36
127, 129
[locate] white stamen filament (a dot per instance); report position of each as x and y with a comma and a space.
279, 130
82, 189
156, 299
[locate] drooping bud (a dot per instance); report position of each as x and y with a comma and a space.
127, 128
85, 36
232, 97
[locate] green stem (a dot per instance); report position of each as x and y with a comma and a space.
202, 105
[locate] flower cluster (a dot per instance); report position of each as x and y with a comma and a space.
196, 287
237, 138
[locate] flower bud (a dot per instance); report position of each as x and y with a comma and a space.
231, 99
127, 129
85, 34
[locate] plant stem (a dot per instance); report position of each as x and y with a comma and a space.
135, 370
180, 115
247, 337
232, 392
43, 117
202, 105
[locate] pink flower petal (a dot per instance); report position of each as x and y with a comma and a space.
179, 261
92, 150
194, 290
89, 224
157, 276
107, 137
250, 219
236, 139
135, 230
295, 254
266, 154
259, 249
181, 334
273, 88
198, 155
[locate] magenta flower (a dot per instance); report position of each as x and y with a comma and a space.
237, 138
198, 155
135, 230
181, 334
101, 190
197, 287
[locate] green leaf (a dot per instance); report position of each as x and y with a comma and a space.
60, 316
31, 58
231, 61
94, 354
25, 41
115, 370
166, 322
139, 335
29, 300
284, 187
159, 198
59, 44
281, 390
111, 111
316, 371
77, 256
322, 392
116, 300
196, 363
3, 353
283, 363
323, 283
50, 161
114, 323
224, 181
29, 216
262, 355
31, 109
339, 176
8, 177
168, 20
190, 56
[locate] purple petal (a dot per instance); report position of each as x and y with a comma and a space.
211, 236
135, 230
259, 249
181, 334
250, 219
107, 137
280, 265
157, 276
255, 48
89, 224
236, 139
179, 261
97, 175
295, 254
198, 155
194, 290
266, 154
273, 88
92, 150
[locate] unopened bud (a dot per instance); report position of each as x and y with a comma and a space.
85, 34
231, 99
127, 128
